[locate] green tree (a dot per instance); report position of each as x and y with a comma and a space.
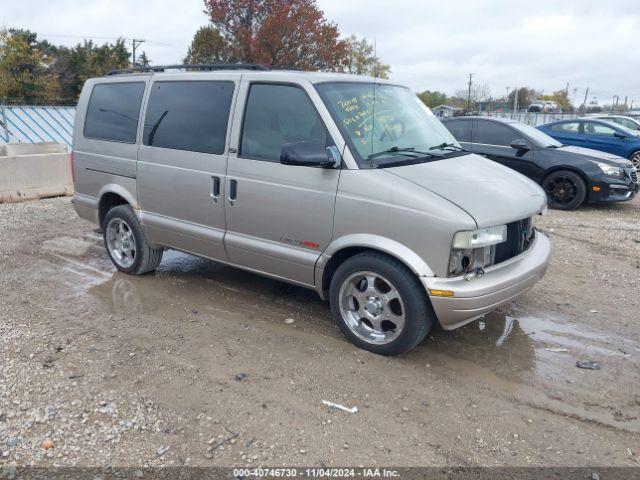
208, 46
526, 96
33, 71
143, 60
361, 59
24, 77
433, 99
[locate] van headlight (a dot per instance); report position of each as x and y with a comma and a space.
483, 237
611, 170
475, 249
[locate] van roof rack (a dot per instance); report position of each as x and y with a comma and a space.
197, 66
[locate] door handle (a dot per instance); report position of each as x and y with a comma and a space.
233, 191
215, 189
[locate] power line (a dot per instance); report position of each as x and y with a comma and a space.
94, 37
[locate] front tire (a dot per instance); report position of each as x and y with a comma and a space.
379, 304
565, 190
635, 159
127, 244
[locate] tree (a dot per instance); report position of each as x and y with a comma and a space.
33, 71
433, 99
561, 97
282, 33
526, 96
24, 76
479, 93
361, 59
208, 46
143, 61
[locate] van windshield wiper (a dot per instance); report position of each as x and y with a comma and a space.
408, 151
447, 146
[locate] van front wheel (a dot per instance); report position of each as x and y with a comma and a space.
127, 244
379, 304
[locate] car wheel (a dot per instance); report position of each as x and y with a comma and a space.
565, 190
635, 159
379, 304
127, 244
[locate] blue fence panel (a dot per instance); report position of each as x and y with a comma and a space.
35, 124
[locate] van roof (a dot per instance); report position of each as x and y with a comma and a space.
313, 77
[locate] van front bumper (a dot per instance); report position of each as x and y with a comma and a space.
500, 283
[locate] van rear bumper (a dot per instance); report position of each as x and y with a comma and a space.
500, 284
86, 207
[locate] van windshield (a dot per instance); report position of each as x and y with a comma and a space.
386, 125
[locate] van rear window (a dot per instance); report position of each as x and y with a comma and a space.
188, 115
113, 111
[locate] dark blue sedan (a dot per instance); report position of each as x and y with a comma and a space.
597, 135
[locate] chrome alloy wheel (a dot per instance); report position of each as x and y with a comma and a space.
635, 159
121, 242
371, 307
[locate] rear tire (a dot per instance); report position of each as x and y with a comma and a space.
127, 244
565, 190
393, 314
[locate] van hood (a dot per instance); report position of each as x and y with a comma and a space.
491, 193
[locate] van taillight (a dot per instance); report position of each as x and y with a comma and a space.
73, 173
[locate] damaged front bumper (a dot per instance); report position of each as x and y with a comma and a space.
471, 298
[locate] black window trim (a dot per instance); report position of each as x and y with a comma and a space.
142, 102
225, 150
244, 115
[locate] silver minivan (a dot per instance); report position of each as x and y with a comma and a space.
346, 185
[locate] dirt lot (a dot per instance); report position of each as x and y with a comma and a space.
201, 364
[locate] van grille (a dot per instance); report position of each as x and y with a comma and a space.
520, 235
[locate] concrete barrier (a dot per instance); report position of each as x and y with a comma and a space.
30, 171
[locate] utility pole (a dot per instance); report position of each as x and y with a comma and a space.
469, 94
507, 99
624, 109
615, 107
134, 44
515, 101
586, 94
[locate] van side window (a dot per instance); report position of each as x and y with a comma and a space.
188, 115
113, 111
275, 115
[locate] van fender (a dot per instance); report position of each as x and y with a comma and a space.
121, 191
374, 242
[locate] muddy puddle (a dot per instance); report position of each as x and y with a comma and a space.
518, 354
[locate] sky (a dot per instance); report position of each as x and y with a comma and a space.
430, 45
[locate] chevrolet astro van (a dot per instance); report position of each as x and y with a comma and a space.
343, 184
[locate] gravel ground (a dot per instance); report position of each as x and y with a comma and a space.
201, 364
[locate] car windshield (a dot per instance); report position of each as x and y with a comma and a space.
540, 138
386, 124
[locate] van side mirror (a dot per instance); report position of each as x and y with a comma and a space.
619, 135
310, 154
520, 144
